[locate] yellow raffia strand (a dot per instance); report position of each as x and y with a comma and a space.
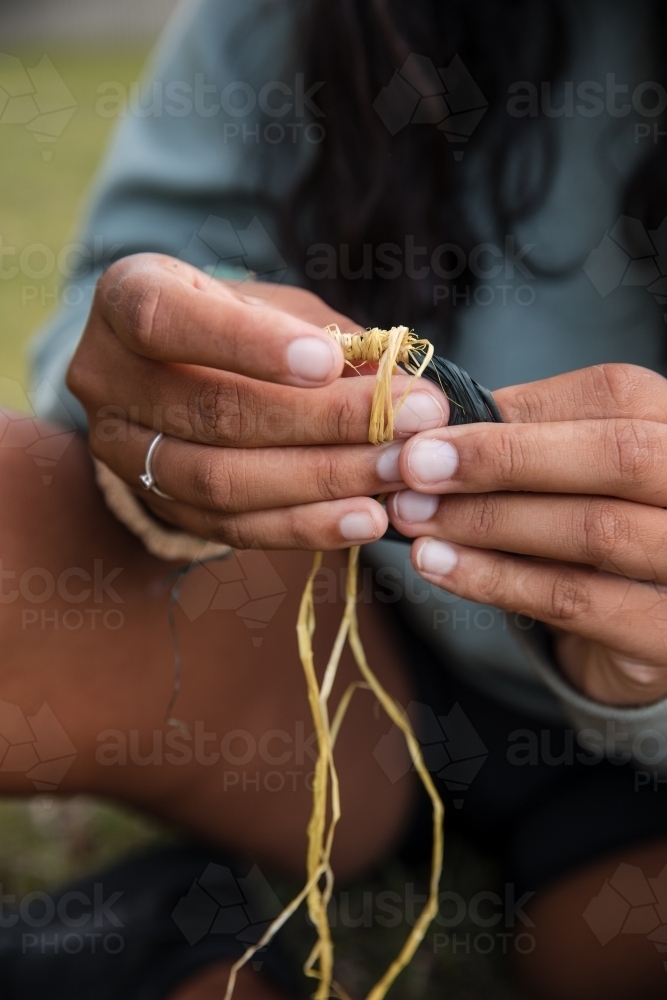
399, 718
386, 349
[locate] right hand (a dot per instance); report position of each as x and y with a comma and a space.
266, 443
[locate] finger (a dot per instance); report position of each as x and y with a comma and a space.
335, 524
615, 535
624, 614
295, 301
612, 390
622, 458
162, 309
216, 407
242, 479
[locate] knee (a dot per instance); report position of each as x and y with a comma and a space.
574, 957
33, 451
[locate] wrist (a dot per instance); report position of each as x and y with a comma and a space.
606, 676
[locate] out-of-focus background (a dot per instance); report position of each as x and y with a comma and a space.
99, 22
55, 55
51, 140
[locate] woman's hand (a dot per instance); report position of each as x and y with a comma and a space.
557, 514
266, 445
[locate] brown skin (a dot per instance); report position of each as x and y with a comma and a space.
575, 477
211, 983
569, 961
207, 362
576, 483
171, 350
95, 680
98, 679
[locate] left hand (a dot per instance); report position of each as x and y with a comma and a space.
557, 514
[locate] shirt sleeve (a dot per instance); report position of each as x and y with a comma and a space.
208, 143
623, 734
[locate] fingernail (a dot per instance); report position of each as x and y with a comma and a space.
387, 464
420, 412
432, 461
358, 527
312, 359
436, 558
411, 506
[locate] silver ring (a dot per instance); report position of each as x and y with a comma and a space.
148, 479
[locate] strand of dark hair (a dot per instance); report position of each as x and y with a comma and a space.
366, 188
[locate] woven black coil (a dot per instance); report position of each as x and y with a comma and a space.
469, 403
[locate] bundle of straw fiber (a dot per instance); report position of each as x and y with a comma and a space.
387, 349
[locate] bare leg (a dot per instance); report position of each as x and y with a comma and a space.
109, 686
570, 961
211, 983
84, 629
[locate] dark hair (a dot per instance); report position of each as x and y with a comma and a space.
367, 186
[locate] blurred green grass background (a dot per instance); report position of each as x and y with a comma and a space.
41, 200
45, 842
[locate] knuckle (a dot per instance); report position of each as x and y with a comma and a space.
567, 599
526, 405
145, 316
216, 411
211, 483
617, 382
297, 531
486, 516
343, 420
635, 449
129, 295
491, 584
607, 530
625, 386
287, 529
330, 483
233, 531
509, 458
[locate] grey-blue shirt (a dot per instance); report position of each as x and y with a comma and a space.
222, 126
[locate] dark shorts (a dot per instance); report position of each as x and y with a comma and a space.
520, 790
